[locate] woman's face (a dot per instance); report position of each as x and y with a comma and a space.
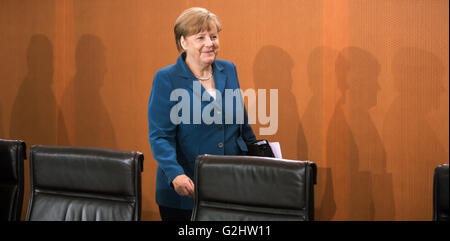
202, 47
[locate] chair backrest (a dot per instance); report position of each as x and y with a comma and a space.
12, 156
84, 184
440, 193
249, 188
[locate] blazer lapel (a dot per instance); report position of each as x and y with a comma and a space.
220, 77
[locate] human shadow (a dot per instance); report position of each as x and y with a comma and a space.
319, 61
272, 70
355, 151
35, 113
412, 145
91, 122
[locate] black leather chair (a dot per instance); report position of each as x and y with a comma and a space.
440, 193
12, 156
84, 184
248, 188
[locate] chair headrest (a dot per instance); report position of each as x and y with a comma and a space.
11, 153
84, 169
252, 180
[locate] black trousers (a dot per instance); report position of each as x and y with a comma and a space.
174, 214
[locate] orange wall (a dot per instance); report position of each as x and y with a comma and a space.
363, 86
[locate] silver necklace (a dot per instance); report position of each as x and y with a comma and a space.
207, 78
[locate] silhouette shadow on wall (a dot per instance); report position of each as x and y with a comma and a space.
272, 70
319, 61
91, 122
36, 117
355, 151
34, 114
411, 143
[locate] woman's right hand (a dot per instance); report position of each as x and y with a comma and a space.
184, 186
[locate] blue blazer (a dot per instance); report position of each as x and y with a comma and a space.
175, 146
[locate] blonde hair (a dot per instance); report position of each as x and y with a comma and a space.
193, 21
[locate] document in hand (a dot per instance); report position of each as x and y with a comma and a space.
276, 149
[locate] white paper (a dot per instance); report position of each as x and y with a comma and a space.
276, 149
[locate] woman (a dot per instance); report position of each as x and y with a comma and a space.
175, 145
